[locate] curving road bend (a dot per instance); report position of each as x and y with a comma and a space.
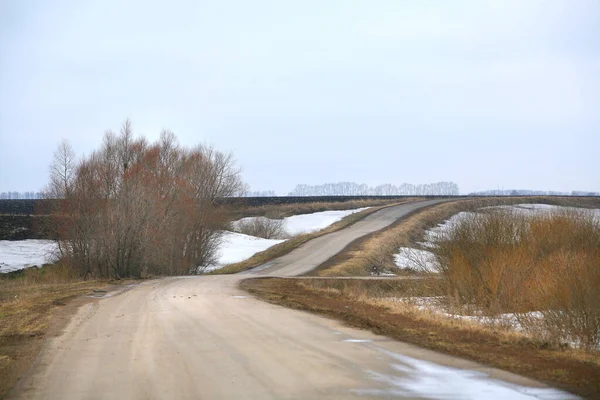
203, 338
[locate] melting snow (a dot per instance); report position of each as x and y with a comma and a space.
306, 223
417, 260
19, 254
424, 379
236, 247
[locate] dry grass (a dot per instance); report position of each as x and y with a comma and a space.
285, 247
505, 262
365, 304
373, 303
28, 302
374, 252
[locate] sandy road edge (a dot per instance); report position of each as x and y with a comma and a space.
61, 317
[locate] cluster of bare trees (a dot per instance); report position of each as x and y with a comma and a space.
260, 193
527, 192
134, 208
355, 189
21, 195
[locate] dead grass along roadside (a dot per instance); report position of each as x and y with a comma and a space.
358, 305
32, 306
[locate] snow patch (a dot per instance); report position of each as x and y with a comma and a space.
306, 223
235, 247
19, 254
416, 260
424, 379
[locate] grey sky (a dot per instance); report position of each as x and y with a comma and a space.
489, 95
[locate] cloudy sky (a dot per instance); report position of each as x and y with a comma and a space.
502, 94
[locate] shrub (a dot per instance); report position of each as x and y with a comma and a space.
266, 228
500, 261
133, 208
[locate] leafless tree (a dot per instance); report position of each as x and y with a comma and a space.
62, 171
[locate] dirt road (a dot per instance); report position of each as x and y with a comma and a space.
202, 338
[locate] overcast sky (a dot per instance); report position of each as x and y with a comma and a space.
502, 94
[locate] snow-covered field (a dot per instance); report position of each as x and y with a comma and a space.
422, 260
306, 223
19, 254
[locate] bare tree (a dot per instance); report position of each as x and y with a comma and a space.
62, 171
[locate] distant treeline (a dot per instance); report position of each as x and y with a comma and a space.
21, 195
355, 189
525, 192
258, 193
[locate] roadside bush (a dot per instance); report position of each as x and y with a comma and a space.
134, 209
266, 228
504, 262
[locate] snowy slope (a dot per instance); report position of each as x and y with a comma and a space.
236, 247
